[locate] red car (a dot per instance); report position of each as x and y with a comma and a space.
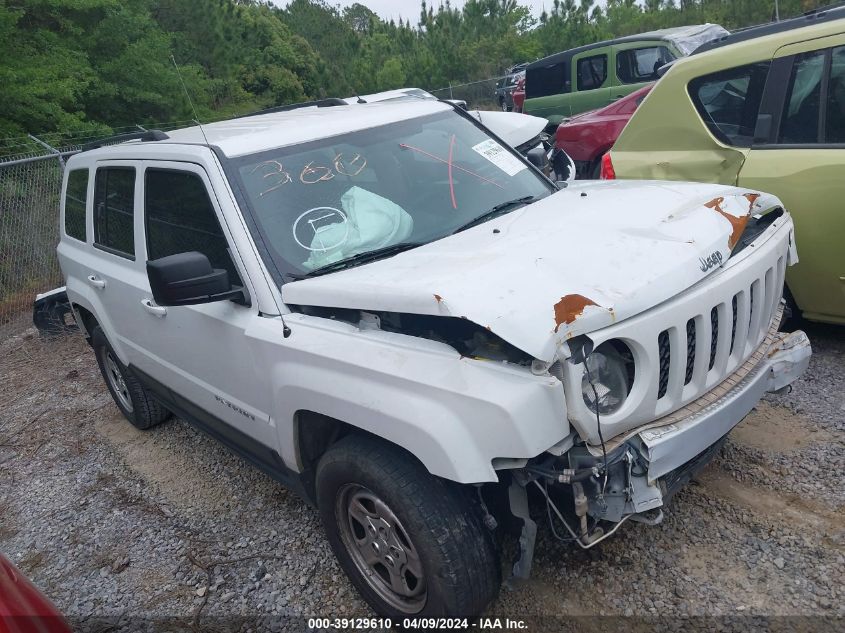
587, 137
24, 609
518, 95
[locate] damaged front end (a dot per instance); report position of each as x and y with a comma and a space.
591, 491
653, 399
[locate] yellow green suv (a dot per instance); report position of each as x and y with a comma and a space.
762, 109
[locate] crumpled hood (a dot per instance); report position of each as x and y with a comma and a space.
576, 261
513, 128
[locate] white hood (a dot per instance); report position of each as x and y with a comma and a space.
576, 261
512, 127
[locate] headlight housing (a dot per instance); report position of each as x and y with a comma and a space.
611, 367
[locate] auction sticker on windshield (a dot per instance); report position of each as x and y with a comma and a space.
499, 156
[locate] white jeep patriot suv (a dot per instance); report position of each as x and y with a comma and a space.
398, 316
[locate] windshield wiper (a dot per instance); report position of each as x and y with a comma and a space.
499, 209
361, 258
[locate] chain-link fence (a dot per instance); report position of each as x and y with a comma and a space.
30, 186
479, 95
29, 204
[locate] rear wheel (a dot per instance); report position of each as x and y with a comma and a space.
411, 543
135, 402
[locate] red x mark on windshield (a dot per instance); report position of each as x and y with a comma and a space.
448, 162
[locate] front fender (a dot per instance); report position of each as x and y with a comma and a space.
454, 414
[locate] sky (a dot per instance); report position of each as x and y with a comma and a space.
410, 9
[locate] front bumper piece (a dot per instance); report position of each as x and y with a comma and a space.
692, 429
650, 464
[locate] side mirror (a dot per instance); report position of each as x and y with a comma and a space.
763, 128
537, 157
188, 279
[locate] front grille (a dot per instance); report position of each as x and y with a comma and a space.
749, 312
690, 351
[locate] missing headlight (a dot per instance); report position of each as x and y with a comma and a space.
611, 367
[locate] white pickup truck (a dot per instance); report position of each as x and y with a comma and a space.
396, 315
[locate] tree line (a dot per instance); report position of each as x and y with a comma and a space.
93, 65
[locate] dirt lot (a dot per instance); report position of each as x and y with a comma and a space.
110, 521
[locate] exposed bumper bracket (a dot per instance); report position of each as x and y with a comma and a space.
518, 500
788, 358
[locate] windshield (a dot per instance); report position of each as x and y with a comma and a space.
410, 182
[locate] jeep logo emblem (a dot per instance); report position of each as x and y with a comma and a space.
712, 260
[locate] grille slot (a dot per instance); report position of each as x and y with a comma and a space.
714, 335
665, 348
734, 305
690, 351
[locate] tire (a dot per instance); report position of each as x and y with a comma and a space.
792, 317
135, 402
595, 171
447, 563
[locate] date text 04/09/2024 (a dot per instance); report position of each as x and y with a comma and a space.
417, 623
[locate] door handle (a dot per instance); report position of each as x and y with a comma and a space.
152, 308
96, 281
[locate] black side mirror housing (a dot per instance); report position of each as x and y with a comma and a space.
537, 157
188, 279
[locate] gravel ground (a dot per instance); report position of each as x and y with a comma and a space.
114, 522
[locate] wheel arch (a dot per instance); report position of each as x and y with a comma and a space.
315, 433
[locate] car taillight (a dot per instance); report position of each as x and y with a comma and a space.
607, 172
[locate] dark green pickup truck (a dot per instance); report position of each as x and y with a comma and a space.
589, 77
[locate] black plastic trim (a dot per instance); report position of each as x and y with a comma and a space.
114, 251
146, 135
320, 103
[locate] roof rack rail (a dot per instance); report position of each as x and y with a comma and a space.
320, 103
146, 135
814, 16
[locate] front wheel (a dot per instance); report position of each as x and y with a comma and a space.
411, 543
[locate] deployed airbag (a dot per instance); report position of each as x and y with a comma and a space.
369, 221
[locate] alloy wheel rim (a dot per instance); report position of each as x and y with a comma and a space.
381, 548
117, 382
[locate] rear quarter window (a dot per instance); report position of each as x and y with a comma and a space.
76, 197
728, 102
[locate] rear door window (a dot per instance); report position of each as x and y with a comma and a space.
76, 197
592, 72
637, 65
545, 81
802, 113
729, 102
835, 115
180, 218
114, 210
